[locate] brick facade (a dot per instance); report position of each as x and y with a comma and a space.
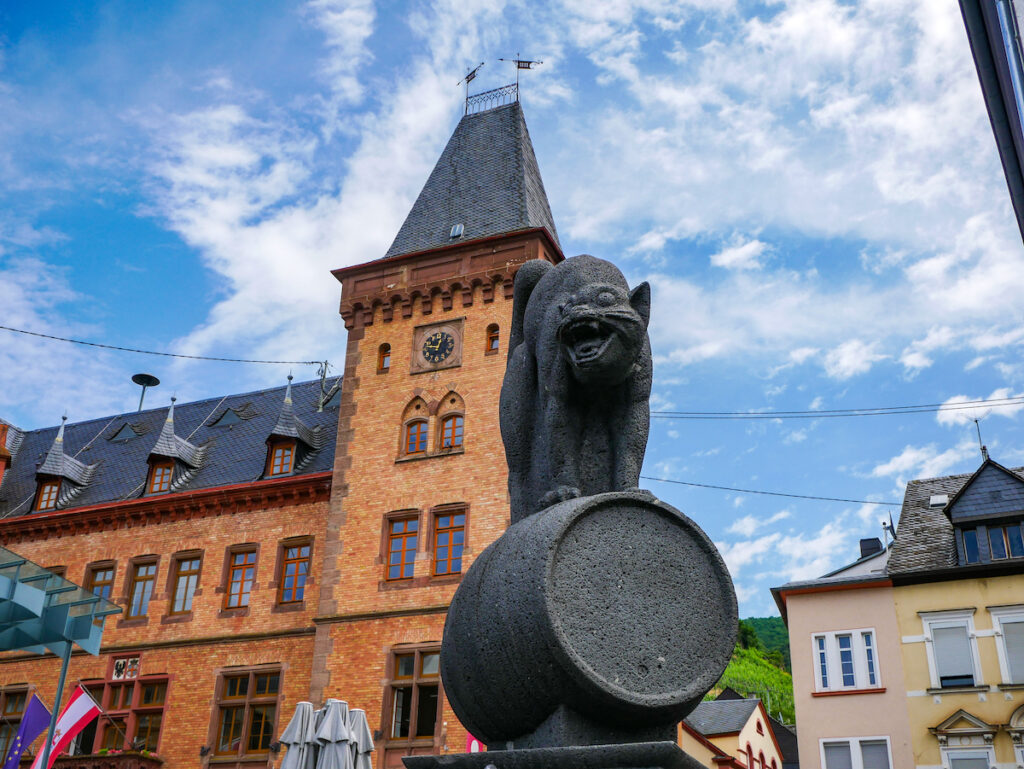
342, 640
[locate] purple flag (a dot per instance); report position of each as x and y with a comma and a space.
33, 723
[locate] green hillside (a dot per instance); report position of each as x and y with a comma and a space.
774, 635
751, 674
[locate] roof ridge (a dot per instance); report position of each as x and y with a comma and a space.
130, 414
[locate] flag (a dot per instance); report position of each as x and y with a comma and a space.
34, 721
80, 710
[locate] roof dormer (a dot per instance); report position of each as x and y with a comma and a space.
60, 477
291, 443
173, 460
987, 514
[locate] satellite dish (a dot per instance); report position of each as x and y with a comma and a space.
144, 380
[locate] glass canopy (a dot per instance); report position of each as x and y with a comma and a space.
40, 611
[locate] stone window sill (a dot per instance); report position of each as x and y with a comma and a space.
957, 690
133, 622
242, 611
429, 455
839, 692
173, 619
1009, 687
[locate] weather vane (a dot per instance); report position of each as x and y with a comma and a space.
470, 77
521, 64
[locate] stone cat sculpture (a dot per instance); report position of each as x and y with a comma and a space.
574, 402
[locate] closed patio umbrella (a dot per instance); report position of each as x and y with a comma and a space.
299, 737
333, 736
361, 742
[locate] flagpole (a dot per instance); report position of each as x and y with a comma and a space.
56, 705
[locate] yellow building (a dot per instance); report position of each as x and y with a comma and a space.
957, 569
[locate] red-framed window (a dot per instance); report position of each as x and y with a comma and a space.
241, 573
403, 536
449, 540
160, 477
451, 431
294, 573
416, 437
46, 497
282, 458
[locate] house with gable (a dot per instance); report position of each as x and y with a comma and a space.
913, 655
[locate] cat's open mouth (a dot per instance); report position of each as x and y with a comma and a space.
585, 339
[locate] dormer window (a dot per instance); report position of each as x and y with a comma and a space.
46, 497
1006, 541
160, 477
281, 459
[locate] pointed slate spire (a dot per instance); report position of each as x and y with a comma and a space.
486, 180
172, 446
59, 464
290, 426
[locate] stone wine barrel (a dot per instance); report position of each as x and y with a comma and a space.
616, 605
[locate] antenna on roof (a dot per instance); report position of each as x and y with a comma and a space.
145, 380
984, 451
521, 64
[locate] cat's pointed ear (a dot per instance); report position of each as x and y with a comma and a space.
640, 299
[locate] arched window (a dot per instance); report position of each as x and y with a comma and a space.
760, 728
750, 756
451, 415
383, 358
414, 427
492, 339
774, 765
416, 437
451, 432
760, 760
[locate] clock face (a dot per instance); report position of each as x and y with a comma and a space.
438, 346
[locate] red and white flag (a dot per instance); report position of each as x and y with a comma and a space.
80, 710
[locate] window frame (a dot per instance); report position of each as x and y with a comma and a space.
90, 577
384, 358
247, 702
12, 720
126, 712
856, 756
451, 511
415, 682
422, 436
229, 570
159, 466
389, 534
134, 578
283, 562
1004, 528
948, 752
834, 675
461, 427
276, 447
43, 486
175, 576
492, 339
943, 619
1000, 615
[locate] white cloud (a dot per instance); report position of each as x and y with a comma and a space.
851, 358
816, 404
916, 355
923, 461
746, 256
749, 524
952, 412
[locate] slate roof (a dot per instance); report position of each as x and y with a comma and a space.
232, 454
992, 491
487, 179
721, 716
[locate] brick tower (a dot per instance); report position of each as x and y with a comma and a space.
419, 485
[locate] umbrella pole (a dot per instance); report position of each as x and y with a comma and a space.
56, 705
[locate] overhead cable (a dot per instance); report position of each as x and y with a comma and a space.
1017, 400
164, 354
769, 493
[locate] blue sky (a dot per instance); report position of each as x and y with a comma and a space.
811, 186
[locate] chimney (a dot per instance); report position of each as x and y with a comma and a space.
870, 546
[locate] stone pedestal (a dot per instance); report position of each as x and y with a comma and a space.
636, 755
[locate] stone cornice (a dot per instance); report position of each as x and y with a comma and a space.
185, 505
457, 274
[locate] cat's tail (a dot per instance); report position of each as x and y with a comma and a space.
526, 279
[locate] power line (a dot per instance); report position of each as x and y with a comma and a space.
164, 354
1017, 400
769, 493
